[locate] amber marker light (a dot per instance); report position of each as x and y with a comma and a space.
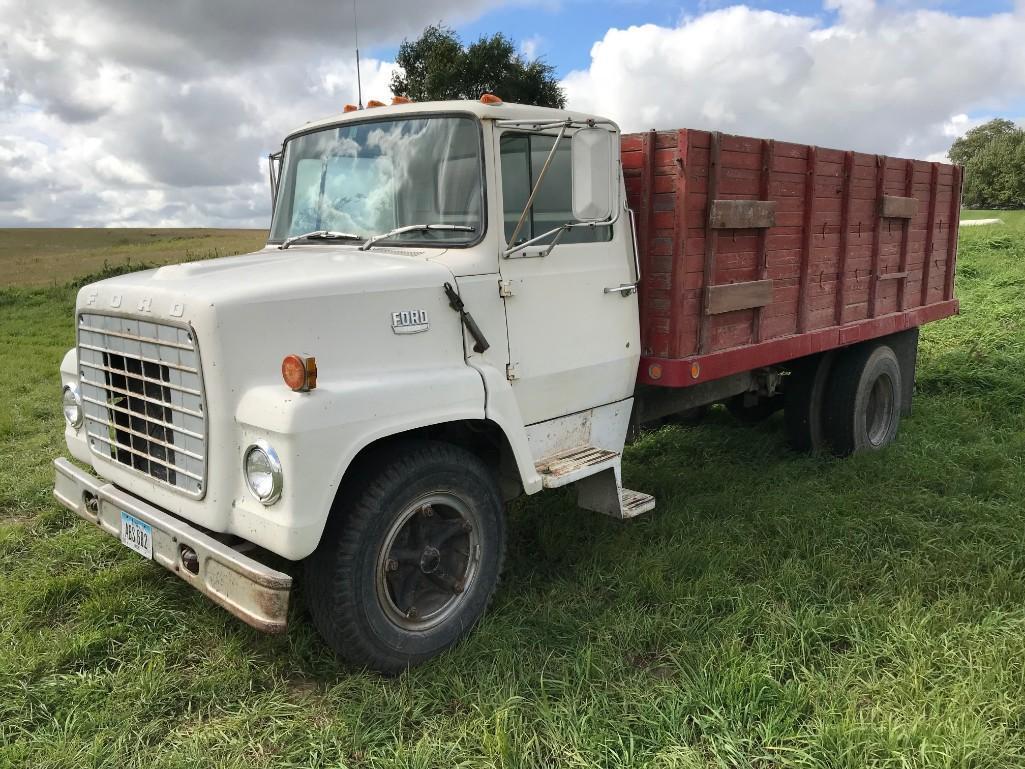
374, 103
490, 98
695, 370
299, 373
401, 100
349, 108
655, 371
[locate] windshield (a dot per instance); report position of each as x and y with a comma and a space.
369, 178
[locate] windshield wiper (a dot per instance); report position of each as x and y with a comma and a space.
416, 228
323, 234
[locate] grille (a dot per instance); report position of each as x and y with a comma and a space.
142, 393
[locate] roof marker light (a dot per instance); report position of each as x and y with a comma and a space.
490, 98
374, 103
401, 100
350, 108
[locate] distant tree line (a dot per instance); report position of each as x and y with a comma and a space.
993, 155
437, 66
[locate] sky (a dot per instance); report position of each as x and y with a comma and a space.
156, 113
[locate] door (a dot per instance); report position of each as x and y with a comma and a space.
572, 345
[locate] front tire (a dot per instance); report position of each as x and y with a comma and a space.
409, 563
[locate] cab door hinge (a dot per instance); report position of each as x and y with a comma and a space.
512, 371
505, 288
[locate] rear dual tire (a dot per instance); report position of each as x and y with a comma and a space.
864, 405
845, 402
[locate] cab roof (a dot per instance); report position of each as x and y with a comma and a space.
503, 111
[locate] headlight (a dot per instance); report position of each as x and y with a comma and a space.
262, 469
72, 406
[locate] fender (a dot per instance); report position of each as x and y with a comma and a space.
318, 434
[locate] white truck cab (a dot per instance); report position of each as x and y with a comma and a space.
444, 317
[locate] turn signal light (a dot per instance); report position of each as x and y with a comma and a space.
400, 100
350, 108
490, 98
299, 373
374, 103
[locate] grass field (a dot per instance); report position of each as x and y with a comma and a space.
53, 257
775, 610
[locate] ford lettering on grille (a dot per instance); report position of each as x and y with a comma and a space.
142, 393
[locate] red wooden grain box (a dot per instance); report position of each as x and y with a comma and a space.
754, 252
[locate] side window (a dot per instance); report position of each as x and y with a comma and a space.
522, 158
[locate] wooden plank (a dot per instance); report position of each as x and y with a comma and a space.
873, 285
742, 214
930, 237
955, 212
845, 226
738, 296
646, 216
894, 275
806, 235
768, 149
678, 306
909, 188
894, 207
681, 372
711, 241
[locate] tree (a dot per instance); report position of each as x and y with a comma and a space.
436, 66
993, 155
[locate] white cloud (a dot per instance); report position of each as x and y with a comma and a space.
122, 112
878, 79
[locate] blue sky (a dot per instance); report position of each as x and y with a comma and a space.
565, 30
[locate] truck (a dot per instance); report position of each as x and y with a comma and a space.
463, 302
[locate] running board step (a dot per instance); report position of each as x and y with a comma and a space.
576, 464
603, 493
633, 503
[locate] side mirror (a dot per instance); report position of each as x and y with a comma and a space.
595, 188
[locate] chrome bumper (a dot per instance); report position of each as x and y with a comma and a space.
256, 594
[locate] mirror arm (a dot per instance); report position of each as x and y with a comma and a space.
537, 185
558, 236
559, 230
272, 167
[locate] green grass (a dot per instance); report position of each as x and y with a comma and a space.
775, 610
52, 257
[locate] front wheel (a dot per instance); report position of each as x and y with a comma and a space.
409, 564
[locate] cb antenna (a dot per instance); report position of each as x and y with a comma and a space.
359, 82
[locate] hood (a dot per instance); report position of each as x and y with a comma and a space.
300, 272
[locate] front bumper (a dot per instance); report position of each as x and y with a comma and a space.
253, 592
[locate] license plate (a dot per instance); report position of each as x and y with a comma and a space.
137, 535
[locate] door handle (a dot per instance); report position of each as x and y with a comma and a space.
623, 289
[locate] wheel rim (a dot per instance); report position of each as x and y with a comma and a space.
429, 561
879, 413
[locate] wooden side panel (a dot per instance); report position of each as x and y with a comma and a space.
836, 255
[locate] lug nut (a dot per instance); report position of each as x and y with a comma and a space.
427, 511
392, 565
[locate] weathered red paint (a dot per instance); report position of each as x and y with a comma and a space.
841, 271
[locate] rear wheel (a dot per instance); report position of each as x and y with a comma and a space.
804, 398
408, 565
864, 402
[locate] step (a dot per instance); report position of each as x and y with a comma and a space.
633, 503
570, 466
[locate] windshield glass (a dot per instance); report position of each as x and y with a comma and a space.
371, 177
